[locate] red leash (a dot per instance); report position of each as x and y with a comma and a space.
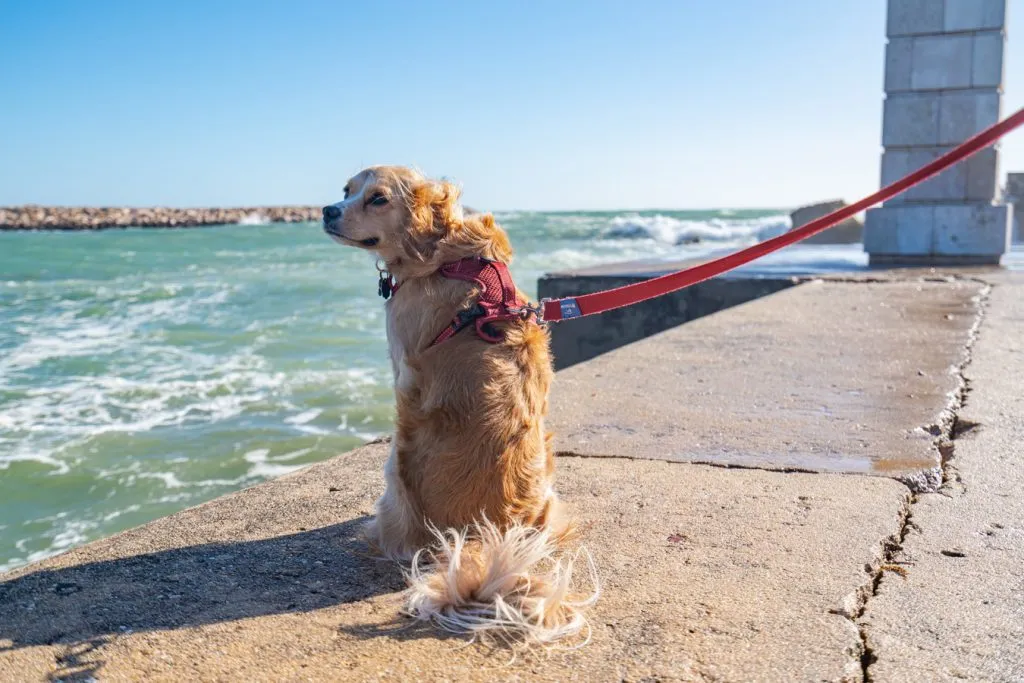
599, 302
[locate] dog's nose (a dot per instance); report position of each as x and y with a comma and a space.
331, 212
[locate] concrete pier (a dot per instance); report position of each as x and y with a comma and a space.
943, 83
739, 570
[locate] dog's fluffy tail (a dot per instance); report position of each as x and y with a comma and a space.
509, 584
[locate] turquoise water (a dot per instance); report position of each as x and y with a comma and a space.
144, 371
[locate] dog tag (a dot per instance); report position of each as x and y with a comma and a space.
385, 285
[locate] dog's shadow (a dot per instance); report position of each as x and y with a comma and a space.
193, 586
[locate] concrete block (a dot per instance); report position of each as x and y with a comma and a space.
1015, 195
1015, 187
971, 229
941, 62
905, 230
911, 120
914, 17
898, 64
982, 172
965, 113
987, 60
948, 186
974, 15
850, 231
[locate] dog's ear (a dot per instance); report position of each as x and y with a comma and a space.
436, 214
492, 241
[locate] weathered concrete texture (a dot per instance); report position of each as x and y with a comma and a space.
707, 574
917, 17
937, 233
972, 180
959, 614
574, 341
909, 17
944, 61
824, 376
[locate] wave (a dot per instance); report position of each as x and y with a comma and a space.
255, 218
681, 231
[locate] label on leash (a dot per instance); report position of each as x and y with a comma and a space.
570, 309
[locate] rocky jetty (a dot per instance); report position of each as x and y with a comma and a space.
32, 217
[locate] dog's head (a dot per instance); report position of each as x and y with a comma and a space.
411, 222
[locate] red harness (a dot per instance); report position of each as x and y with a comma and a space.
498, 300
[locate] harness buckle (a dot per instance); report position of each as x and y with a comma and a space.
468, 315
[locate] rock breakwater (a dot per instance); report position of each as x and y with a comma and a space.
97, 218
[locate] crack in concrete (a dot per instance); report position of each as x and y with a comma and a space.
706, 463
946, 430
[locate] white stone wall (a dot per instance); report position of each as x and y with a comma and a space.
943, 84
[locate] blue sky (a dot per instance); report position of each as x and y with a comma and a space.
529, 104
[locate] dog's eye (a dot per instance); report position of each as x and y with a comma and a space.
347, 192
377, 199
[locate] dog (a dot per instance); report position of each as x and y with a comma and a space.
469, 501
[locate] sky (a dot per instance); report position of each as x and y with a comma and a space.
531, 105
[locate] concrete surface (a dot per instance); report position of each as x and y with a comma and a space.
828, 376
959, 614
707, 574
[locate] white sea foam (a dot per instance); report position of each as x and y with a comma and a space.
681, 231
258, 455
65, 534
254, 218
264, 468
294, 455
303, 418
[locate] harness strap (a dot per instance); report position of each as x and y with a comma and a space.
498, 300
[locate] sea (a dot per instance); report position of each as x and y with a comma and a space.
143, 371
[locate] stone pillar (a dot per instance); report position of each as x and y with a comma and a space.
943, 83
1015, 197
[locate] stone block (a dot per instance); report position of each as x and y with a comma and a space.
948, 186
941, 62
850, 231
973, 179
965, 113
974, 15
898, 64
982, 175
1015, 195
987, 60
1015, 187
905, 230
911, 120
971, 230
914, 17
